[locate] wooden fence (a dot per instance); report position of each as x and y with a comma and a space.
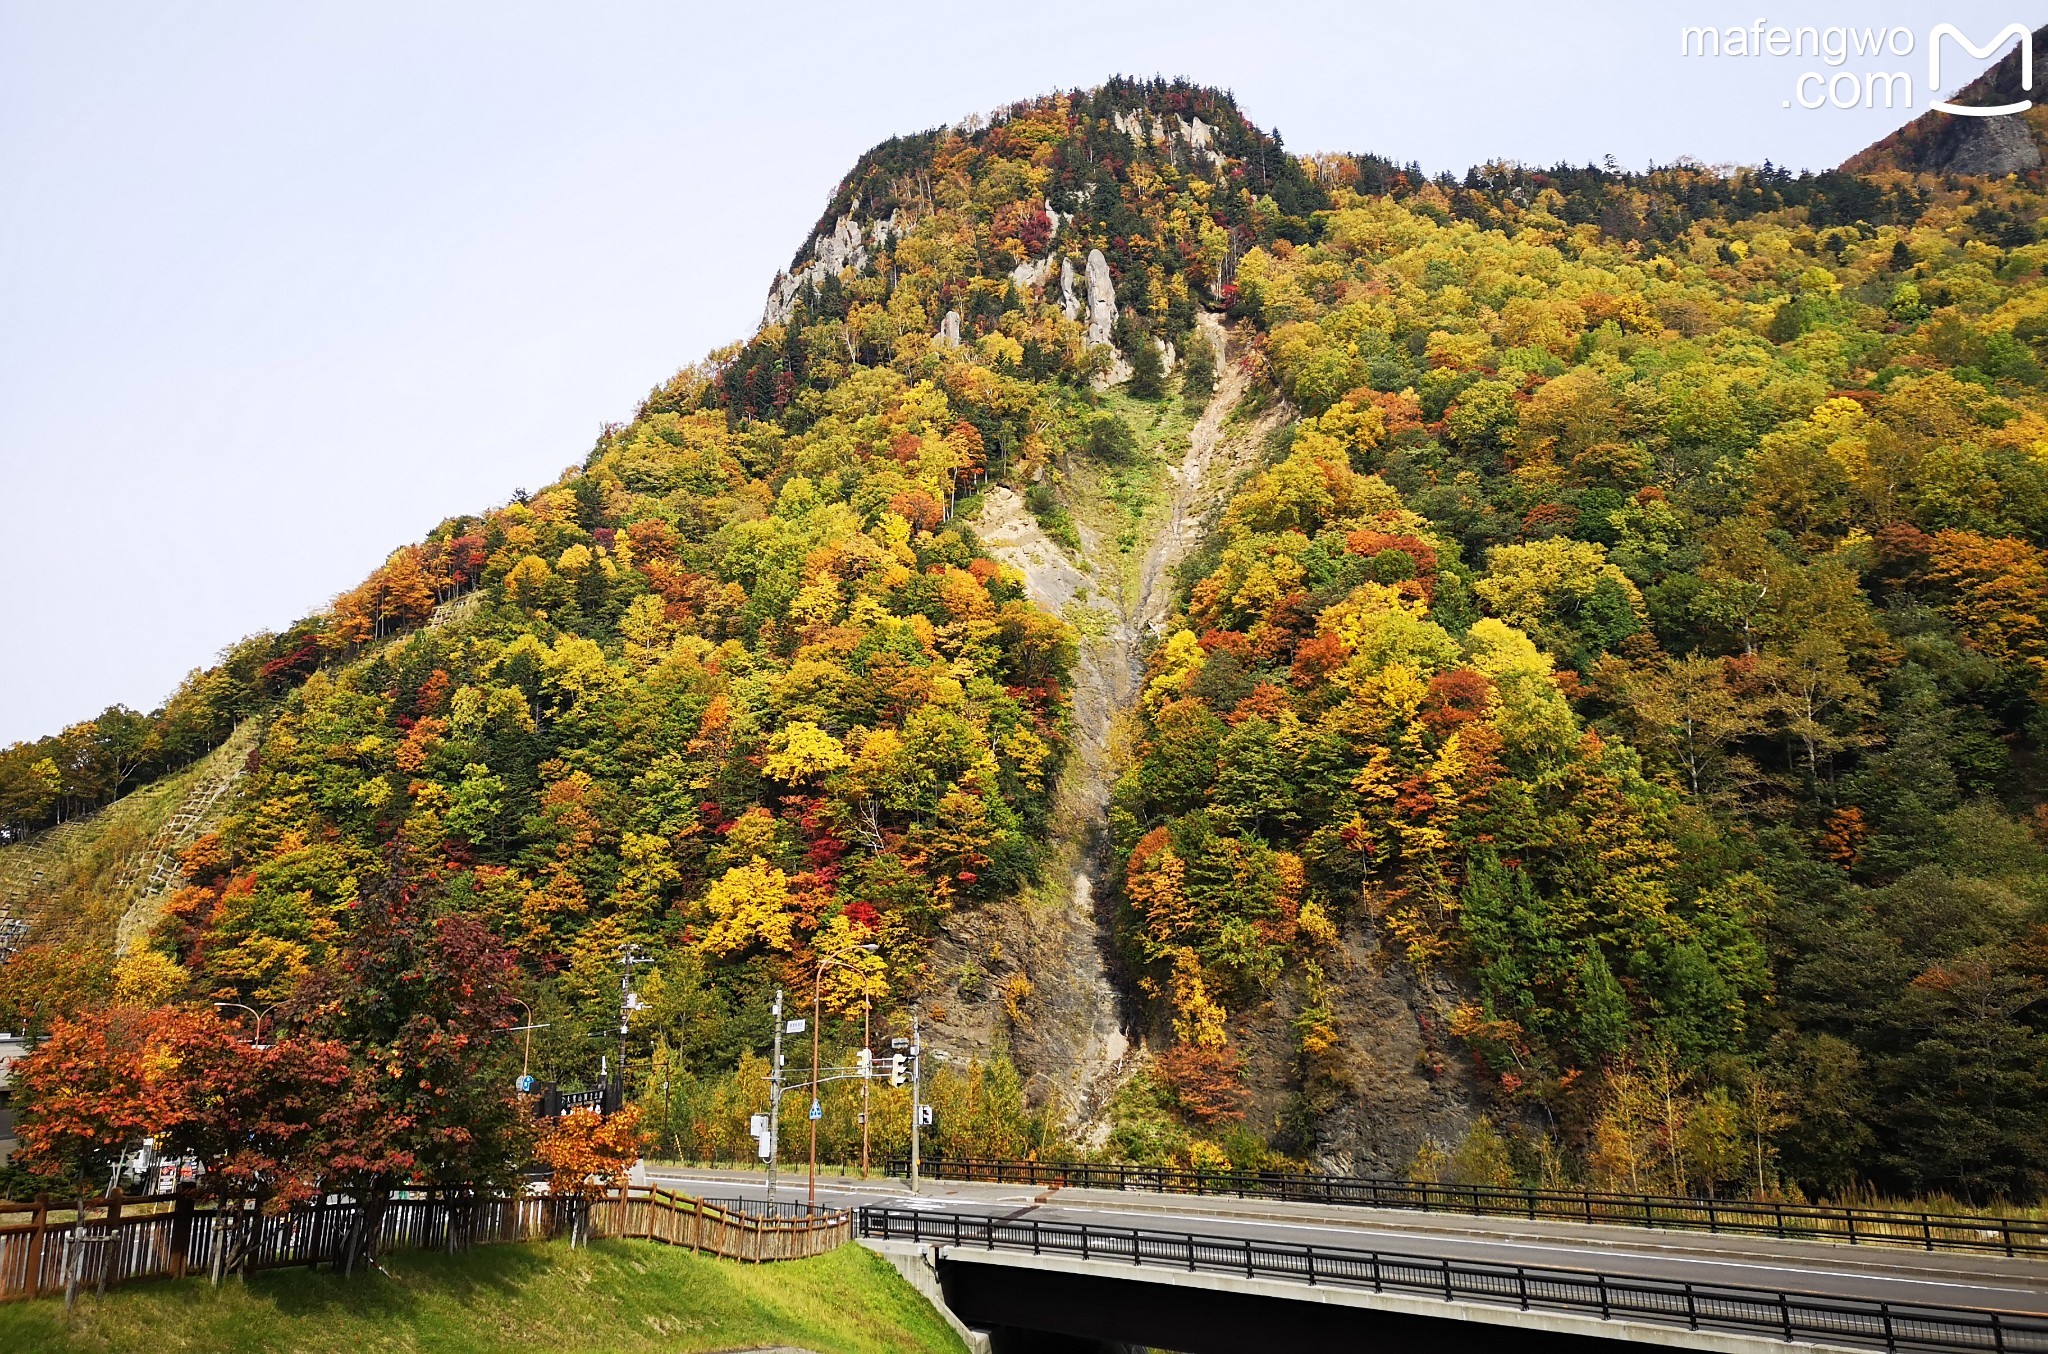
50, 1248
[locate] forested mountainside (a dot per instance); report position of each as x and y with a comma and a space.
1537, 676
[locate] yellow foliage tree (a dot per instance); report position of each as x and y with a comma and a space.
801, 750
749, 905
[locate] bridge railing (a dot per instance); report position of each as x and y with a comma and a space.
1922, 1230
1770, 1313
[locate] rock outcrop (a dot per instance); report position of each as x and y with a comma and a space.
1101, 298
949, 330
1069, 303
1195, 136
1993, 147
1030, 273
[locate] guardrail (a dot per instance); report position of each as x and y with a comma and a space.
1797, 1222
50, 1248
1771, 1313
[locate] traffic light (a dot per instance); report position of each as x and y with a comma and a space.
924, 1116
898, 1070
865, 1064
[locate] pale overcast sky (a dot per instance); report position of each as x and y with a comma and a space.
281, 286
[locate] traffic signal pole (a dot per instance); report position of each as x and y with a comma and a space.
867, 1044
775, 1103
916, 1089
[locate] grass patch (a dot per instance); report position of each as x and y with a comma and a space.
1121, 501
81, 863
612, 1296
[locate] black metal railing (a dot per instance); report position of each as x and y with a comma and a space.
1771, 1313
1798, 1222
761, 1208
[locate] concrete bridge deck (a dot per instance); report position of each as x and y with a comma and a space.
1211, 1310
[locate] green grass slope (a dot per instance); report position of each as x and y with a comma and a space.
620, 1295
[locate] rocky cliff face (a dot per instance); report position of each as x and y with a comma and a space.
1945, 143
1101, 299
847, 246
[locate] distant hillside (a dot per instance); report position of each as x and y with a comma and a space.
1943, 143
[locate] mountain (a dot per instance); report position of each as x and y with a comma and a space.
1942, 143
1536, 676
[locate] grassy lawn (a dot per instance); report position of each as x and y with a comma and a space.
615, 1295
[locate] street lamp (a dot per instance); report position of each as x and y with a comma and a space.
817, 992
526, 1056
258, 1041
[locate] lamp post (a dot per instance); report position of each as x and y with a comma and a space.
817, 994
240, 1006
526, 1055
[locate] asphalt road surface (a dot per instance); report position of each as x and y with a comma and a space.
1896, 1274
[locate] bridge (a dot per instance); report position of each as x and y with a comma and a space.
1030, 1266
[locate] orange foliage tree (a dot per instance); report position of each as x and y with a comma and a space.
588, 1153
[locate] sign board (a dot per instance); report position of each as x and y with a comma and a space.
817, 1110
527, 1084
794, 1027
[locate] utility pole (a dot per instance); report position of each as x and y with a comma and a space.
916, 1088
867, 1044
629, 955
775, 1102
817, 987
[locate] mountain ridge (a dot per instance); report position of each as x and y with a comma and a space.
1282, 658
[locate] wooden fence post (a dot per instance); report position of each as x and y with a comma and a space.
35, 1246
181, 1233
110, 1249
72, 1250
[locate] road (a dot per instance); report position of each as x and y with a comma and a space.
1942, 1279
